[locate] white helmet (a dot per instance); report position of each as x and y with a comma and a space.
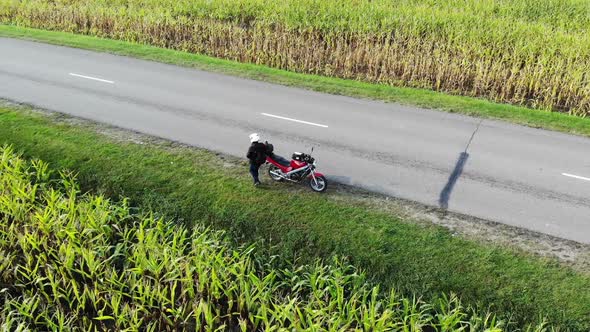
254, 138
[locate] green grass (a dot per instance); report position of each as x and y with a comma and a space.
409, 96
191, 185
76, 261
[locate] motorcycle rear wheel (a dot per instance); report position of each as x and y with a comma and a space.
319, 185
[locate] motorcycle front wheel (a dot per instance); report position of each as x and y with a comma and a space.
320, 184
273, 172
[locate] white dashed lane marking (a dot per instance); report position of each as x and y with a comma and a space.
294, 120
575, 176
92, 78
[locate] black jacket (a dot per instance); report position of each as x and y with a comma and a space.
257, 153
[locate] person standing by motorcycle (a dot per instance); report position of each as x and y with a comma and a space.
257, 156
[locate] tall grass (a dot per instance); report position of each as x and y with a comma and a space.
534, 53
78, 261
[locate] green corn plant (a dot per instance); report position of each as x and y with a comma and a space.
25, 306
78, 262
450, 314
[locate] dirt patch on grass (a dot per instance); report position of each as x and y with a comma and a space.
568, 252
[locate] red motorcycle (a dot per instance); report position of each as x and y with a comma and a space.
302, 166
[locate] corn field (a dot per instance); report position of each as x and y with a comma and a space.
526, 52
73, 261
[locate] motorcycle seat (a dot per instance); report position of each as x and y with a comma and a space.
282, 161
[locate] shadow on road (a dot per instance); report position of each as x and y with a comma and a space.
445, 194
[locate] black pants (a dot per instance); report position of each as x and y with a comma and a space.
254, 171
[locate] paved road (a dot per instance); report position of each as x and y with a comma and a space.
487, 169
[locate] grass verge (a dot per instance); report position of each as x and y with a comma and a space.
408, 96
192, 185
76, 261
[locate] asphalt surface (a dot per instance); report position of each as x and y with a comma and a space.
487, 169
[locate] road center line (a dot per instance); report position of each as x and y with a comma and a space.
576, 176
294, 120
92, 78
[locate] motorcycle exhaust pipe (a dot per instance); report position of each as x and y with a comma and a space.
282, 176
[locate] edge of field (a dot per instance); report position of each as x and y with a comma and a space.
408, 96
187, 184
